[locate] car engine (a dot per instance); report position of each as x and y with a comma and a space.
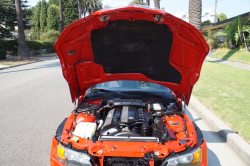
126, 121
130, 119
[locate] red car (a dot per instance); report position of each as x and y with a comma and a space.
130, 72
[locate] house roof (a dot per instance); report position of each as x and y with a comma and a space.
221, 24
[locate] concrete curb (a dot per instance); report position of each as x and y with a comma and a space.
7, 67
238, 143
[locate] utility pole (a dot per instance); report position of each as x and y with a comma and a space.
215, 11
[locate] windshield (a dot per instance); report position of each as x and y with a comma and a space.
131, 86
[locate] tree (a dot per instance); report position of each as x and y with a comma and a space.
236, 29
91, 6
80, 7
70, 12
8, 17
194, 10
7, 9
23, 50
36, 22
222, 17
43, 16
61, 15
157, 4
139, 2
50, 36
55, 2
205, 23
53, 17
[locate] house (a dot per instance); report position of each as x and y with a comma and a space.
207, 14
220, 25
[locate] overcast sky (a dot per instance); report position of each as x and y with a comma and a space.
230, 7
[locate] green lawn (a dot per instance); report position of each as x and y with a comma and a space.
226, 91
237, 55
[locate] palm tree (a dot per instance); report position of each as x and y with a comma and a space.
80, 2
235, 30
91, 5
23, 50
194, 10
139, 2
80, 8
157, 3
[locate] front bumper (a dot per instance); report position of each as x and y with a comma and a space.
55, 162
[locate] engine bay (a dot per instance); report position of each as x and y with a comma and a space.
127, 119
123, 130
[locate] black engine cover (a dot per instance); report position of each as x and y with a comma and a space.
125, 115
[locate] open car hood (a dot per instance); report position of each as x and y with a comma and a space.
131, 43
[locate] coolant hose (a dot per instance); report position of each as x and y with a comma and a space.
100, 124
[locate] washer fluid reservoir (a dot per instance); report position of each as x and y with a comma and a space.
85, 130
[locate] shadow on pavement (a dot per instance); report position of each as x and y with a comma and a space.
212, 158
55, 64
210, 137
218, 61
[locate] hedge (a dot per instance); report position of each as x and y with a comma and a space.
50, 36
12, 45
2, 54
47, 45
34, 45
9, 45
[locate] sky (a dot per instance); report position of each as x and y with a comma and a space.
230, 7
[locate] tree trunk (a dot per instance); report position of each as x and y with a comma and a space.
157, 4
23, 50
245, 41
90, 11
195, 13
148, 2
61, 15
80, 8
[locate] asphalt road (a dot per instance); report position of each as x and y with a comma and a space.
35, 98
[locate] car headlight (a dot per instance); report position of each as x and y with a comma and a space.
192, 158
70, 157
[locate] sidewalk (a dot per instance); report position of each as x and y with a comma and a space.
230, 63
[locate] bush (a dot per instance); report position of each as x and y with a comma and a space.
2, 54
224, 45
50, 36
34, 45
50, 50
12, 45
9, 45
213, 43
46, 45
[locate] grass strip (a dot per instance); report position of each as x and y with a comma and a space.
226, 91
16, 62
237, 55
